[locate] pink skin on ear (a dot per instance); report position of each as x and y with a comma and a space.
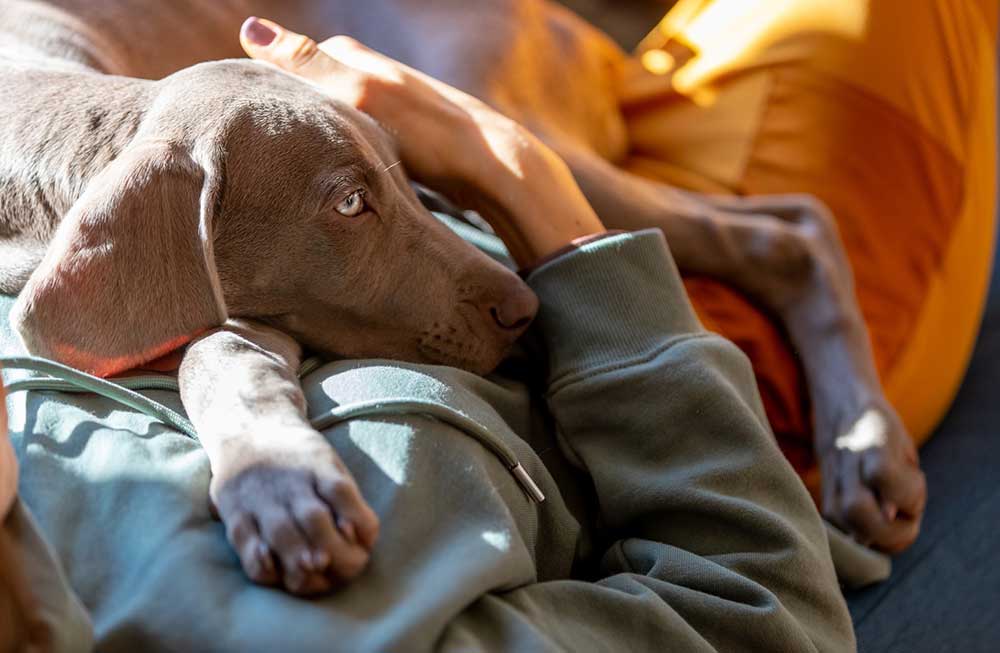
105, 367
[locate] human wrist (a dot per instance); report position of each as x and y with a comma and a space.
573, 245
539, 206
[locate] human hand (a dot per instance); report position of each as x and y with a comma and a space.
447, 139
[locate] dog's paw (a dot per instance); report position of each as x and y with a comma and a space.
872, 483
294, 514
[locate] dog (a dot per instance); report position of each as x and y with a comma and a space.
111, 123
225, 190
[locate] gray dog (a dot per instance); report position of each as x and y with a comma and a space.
136, 214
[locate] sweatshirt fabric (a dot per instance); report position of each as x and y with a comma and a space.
671, 519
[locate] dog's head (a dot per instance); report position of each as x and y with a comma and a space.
248, 193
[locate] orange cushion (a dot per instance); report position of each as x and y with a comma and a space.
885, 110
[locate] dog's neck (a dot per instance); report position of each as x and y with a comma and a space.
66, 130
63, 134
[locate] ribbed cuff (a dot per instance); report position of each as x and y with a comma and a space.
574, 244
610, 301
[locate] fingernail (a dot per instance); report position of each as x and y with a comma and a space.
306, 560
890, 512
257, 32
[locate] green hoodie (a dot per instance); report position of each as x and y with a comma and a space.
671, 520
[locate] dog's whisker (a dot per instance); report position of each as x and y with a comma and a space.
388, 168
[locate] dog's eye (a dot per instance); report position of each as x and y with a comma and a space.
352, 205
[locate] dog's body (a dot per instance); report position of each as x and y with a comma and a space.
136, 214
81, 77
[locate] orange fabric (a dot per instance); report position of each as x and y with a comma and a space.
885, 110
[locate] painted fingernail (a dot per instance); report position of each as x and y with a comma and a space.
257, 32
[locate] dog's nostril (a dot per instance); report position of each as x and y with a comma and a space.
520, 323
515, 313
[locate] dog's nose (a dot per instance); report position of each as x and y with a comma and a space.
515, 311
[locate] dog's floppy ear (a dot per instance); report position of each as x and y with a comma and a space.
130, 273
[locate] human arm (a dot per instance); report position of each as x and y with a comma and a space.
702, 508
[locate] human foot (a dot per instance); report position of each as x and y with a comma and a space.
293, 513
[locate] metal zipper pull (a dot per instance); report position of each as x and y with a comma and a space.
529, 486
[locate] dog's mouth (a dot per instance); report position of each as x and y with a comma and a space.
460, 345
439, 352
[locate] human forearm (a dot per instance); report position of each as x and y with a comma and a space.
537, 211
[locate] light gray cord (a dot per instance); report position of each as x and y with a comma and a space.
63, 378
446, 414
66, 378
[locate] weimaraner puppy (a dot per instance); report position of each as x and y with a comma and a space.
136, 214
90, 142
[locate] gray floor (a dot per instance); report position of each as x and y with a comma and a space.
944, 593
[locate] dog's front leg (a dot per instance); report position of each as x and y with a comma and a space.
785, 252
292, 510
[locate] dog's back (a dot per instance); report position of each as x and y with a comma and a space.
63, 132
72, 73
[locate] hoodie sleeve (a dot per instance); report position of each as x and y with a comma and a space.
711, 529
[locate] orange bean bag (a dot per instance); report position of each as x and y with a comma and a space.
885, 110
